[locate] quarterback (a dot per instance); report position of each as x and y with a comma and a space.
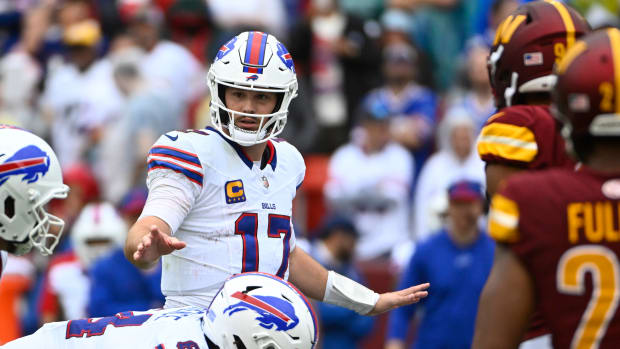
30, 177
251, 311
220, 199
557, 230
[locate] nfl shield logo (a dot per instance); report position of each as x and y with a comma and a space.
265, 182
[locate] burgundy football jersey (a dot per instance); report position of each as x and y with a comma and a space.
565, 227
524, 136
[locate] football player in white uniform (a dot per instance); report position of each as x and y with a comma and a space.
30, 177
251, 311
220, 199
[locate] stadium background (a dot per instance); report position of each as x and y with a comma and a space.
102, 123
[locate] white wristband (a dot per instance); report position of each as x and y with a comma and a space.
347, 293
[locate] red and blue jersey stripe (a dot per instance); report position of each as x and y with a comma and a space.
177, 154
255, 52
186, 163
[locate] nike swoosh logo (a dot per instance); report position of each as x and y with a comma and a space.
1, 155
172, 138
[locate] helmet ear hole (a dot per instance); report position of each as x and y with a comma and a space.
239, 342
9, 207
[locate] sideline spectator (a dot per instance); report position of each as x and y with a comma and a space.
338, 54
65, 294
80, 95
360, 183
148, 112
475, 96
335, 248
456, 159
410, 107
141, 288
457, 262
166, 64
230, 15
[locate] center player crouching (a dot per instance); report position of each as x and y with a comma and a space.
251, 311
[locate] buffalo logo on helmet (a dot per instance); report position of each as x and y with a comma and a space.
285, 57
225, 49
253, 77
272, 311
29, 161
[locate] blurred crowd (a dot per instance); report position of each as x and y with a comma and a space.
392, 96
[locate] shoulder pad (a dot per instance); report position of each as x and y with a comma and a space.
174, 151
509, 135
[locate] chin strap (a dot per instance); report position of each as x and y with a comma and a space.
510, 91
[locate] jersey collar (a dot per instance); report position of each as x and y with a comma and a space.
269, 156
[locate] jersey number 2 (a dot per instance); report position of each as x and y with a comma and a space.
247, 225
602, 264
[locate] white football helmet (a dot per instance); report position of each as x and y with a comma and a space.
260, 311
30, 177
97, 230
253, 61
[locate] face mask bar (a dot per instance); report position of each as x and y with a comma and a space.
40, 235
267, 130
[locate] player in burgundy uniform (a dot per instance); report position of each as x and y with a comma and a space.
523, 135
558, 231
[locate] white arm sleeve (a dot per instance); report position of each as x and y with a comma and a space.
347, 293
171, 197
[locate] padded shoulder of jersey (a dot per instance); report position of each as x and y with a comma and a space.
176, 151
510, 135
525, 189
288, 150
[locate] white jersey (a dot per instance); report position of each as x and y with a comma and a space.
361, 180
234, 216
154, 329
80, 102
3, 258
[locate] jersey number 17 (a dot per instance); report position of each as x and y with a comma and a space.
279, 226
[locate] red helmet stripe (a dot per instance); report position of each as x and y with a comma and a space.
614, 41
568, 21
263, 305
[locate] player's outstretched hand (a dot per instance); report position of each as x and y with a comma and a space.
390, 300
156, 244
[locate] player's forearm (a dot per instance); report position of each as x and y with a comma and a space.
134, 237
307, 274
328, 286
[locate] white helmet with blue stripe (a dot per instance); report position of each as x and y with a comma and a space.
258, 62
260, 311
30, 177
